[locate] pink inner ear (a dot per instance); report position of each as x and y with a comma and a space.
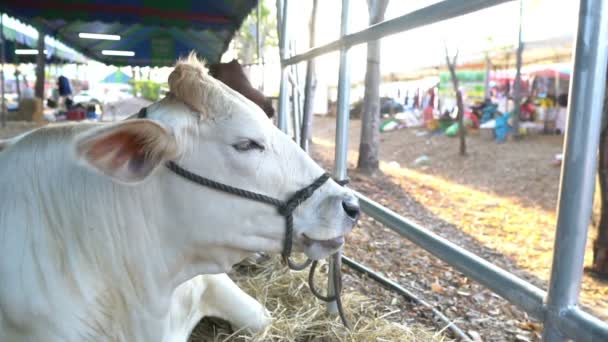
124, 145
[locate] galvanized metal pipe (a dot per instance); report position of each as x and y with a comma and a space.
284, 89
343, 104
581, 326
574, 322
295, 116
577, 183
514, 289
2, 61
426, 16
342, 117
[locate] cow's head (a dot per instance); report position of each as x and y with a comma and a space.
233, 75
209, 129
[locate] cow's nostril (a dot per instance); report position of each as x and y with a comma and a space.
351, 207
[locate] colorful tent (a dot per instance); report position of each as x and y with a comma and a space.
155, 32
552, 73
117, 77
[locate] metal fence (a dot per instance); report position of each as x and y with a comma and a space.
558, 308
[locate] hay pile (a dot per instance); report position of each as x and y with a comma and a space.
299, 316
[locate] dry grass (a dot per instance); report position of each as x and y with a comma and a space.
299, 316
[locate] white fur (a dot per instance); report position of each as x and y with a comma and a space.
88, 257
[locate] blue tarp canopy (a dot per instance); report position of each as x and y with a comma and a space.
21, 36
156, 31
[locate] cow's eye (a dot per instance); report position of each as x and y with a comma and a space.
248, 145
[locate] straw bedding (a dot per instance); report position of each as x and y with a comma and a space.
299, 316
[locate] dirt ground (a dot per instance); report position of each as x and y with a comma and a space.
498, 202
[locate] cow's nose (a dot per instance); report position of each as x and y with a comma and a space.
351, 207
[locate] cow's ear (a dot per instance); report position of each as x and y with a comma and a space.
128, 151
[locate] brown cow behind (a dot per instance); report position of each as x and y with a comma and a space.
232, 75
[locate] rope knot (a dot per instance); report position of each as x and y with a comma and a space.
284, 209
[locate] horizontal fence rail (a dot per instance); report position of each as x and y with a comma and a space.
444, 10
516, 290
575, 322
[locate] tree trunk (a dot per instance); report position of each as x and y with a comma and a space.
17, 85
370, 135
600, 246
488, 93
461, 129
459, 102
517, 85
310, 86
40, 59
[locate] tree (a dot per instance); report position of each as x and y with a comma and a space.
370, 135
39, 88
600, 245
250, 39
459, 103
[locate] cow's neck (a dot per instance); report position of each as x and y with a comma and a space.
146, 251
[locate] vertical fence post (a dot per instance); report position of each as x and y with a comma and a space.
295, 105
343, 108
579, 166
343, 105
284, 90
310, 83
2, 55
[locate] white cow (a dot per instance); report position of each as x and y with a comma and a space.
101, 242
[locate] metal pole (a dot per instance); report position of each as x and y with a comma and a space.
296, 97
2, 60
507, 285
341, 155
310, 83
578, 170
257, 31
343, 104
517, 85
440, 11
284, 91
295, 110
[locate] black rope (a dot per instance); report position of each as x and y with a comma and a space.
193, 177
285, 209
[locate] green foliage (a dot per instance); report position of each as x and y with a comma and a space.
463, 75
245, 38
149, 90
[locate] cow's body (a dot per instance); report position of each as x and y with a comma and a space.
102, 242
61, 283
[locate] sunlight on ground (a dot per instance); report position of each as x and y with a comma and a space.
523, 233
